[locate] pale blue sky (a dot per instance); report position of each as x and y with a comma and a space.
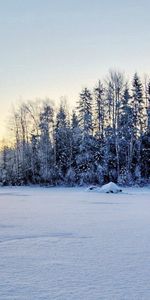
55, 47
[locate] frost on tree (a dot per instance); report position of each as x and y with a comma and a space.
105, 139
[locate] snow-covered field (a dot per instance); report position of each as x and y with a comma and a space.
67, 243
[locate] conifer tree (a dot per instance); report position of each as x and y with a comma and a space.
138, 119
46, 148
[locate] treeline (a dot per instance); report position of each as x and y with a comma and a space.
106, 138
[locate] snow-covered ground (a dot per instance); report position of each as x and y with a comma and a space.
67, 243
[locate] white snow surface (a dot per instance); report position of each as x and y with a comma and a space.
63, 243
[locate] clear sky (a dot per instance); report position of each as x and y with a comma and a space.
55, 47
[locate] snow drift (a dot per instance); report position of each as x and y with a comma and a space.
110, 187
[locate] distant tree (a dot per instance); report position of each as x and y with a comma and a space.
145, 147
138, 120
62, 140
125, 132
45, 142
85, 112
115, 89
86, 155
99, 112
